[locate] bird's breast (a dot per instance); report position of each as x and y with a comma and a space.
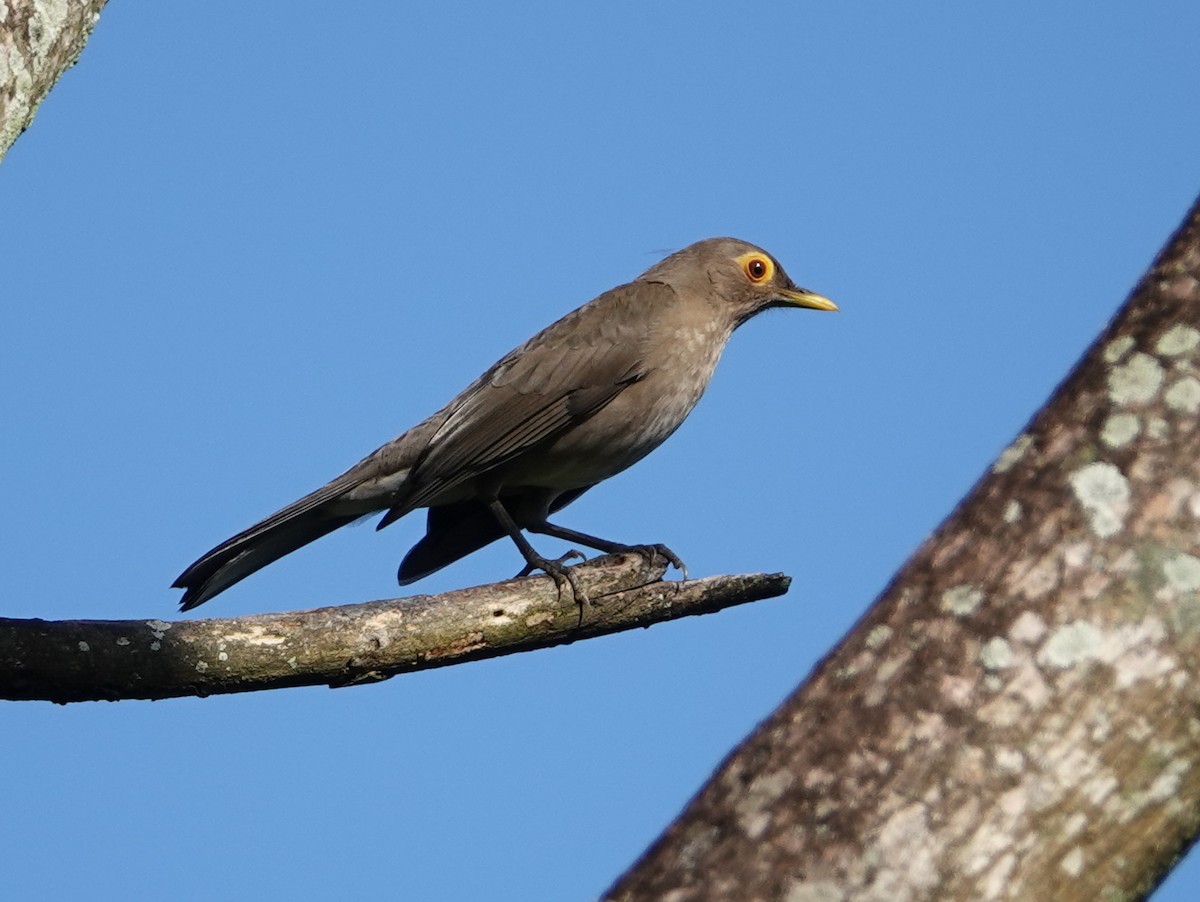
639, 419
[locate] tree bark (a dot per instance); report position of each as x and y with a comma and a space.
92, 660
1018, 715
39, 41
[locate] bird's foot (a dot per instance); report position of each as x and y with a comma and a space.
545, 564
675, 560
650, 552
557, 570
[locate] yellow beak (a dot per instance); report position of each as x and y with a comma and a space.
802, 297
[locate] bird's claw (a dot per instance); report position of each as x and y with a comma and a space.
541, 565
557, 570
675, 560
650, 552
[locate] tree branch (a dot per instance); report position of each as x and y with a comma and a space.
1018, 716
92, 660
39, 41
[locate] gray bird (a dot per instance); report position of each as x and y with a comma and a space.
579, 402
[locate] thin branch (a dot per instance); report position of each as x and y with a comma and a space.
94, 660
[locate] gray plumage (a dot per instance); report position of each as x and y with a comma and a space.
580, 401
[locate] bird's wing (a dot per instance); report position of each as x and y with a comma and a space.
555, 381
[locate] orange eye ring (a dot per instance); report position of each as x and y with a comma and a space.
757, 269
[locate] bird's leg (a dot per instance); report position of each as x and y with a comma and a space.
647, 551
534, 561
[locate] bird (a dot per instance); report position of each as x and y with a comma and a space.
584, 399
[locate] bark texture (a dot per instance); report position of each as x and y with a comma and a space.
1018, 716
93, 660
39, 41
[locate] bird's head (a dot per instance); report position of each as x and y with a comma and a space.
736, 275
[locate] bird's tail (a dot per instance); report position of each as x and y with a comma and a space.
268, 540
452, 531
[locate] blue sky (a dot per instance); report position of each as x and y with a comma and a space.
246, 244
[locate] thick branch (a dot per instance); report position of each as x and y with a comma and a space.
1017, 716
91, 660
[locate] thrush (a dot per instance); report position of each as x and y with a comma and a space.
579, 402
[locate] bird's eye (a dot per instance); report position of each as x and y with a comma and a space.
757, 269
